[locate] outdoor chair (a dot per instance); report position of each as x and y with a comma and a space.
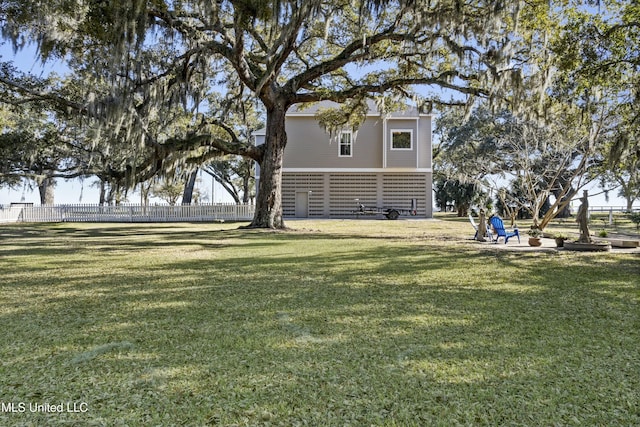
475, 227
498, 228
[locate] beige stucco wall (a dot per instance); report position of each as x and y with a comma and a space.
426, 151
402, 158
310, 146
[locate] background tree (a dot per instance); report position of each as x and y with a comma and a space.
625, 175
535, 159
579, 80
459, 195
236, 176
33, 148
168, 189
601, 52
460, 167
508, 203
545, 162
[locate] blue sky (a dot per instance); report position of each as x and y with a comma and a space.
77, 191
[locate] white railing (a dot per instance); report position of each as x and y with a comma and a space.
127, 213
610, 210
613, 209
10, 214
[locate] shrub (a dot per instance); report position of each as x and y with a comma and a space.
635, 218
534, 232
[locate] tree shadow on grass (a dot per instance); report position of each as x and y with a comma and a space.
63, 239
326, 330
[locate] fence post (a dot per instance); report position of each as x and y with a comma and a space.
610, 216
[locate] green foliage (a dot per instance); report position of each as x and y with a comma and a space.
236, 175
349, 115
598, 54
535, 160
459, 166
622, 166
136, 61
168, 189
31, 146
154, 55
534, 232
635, 218
462, 196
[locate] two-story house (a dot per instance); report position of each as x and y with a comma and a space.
386, 163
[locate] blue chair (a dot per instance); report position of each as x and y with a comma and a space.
498, 228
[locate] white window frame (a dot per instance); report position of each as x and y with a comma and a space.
409, 131
345, 132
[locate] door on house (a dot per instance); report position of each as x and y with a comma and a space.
302, 204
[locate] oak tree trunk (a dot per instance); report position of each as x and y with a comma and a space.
103, 193
630, 201
268, 212
246, 183
46, 191
187, 194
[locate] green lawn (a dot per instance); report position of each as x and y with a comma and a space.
393, 323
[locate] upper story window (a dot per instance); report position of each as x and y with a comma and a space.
402, 139
345, 145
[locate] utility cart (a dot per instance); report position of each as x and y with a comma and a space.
390, 213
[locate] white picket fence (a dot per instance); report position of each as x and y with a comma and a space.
127, 213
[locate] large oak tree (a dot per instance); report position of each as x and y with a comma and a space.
159, 53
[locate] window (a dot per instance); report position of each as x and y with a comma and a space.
345, 146
402, 139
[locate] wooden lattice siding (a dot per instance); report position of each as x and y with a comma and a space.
399, 189
345, 188
334, 194
294, 182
